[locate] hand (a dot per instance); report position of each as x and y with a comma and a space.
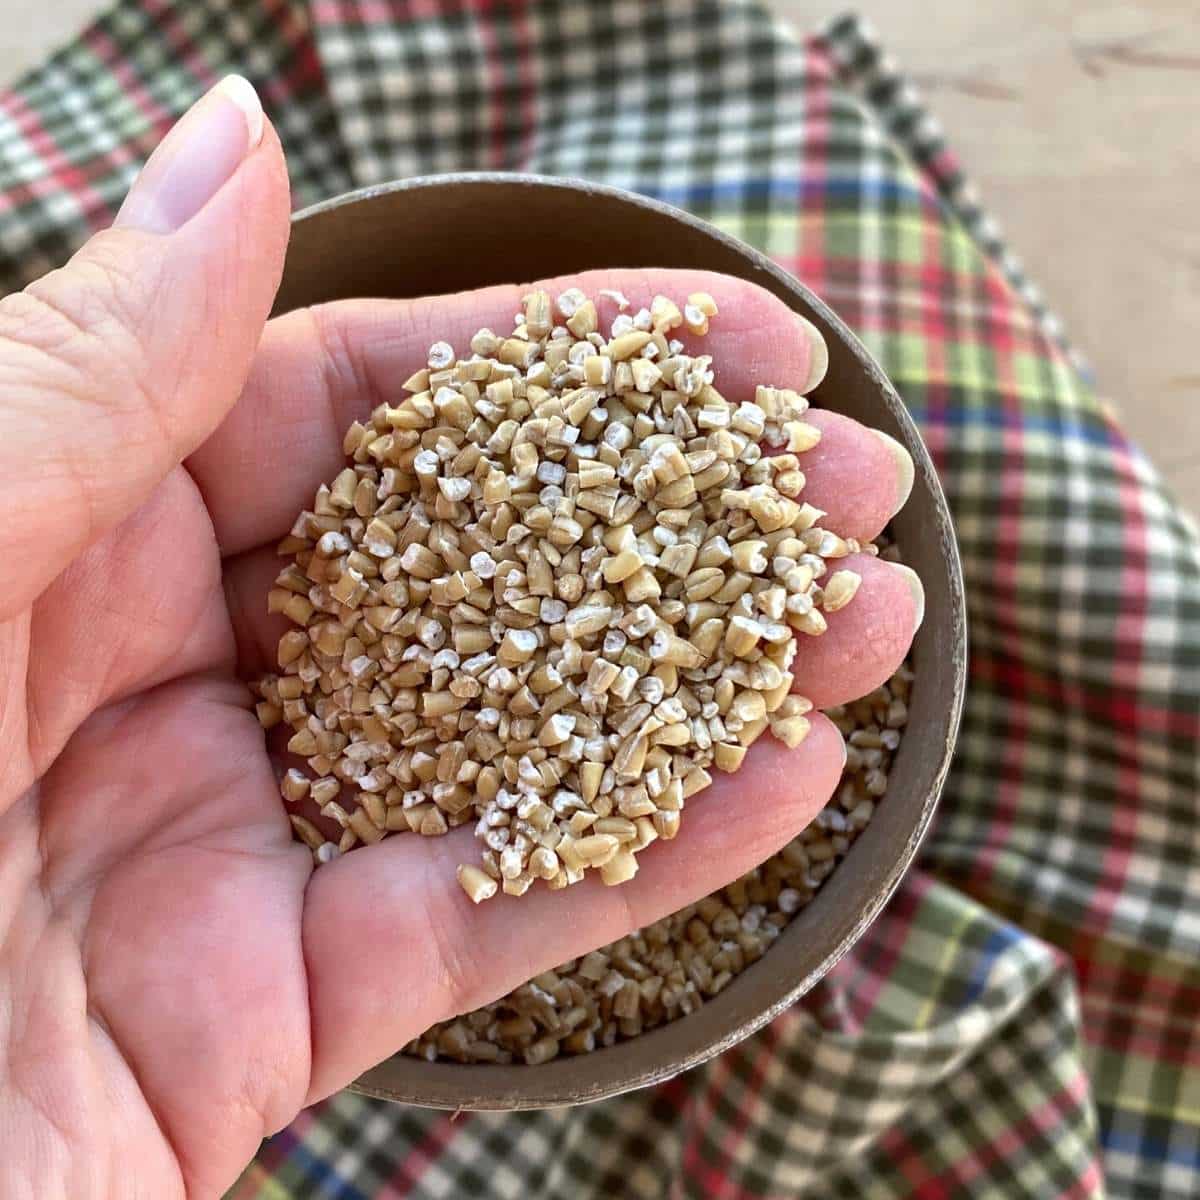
175, 982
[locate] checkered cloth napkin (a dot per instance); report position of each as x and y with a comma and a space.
1021, 1021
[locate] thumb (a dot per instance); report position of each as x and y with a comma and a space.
114, 368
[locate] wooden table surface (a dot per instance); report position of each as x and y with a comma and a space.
1080, 121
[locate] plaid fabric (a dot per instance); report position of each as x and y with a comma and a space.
1021, 1021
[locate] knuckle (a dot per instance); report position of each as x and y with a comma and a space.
340, 372
460, 969
88, 315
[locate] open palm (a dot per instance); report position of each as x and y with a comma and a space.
175, 981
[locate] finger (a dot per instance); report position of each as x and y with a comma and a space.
393, 945
867, 640
859, 477
320, 369
141, 605
115, 367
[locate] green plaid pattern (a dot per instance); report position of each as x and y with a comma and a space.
1021, 1019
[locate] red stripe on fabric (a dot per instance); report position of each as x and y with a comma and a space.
507, 74
62, 175
1134, 590
977, 297
696, 1115
1091, 1183
1116, 983
904, 1158
1136, 713
710, 1175
677, 1093
116, 60
1041, 1121
944, 163
303, 74
527, 63
1129, 1012
440, 1132
701, 1176
170, 26
1126, 668
1007, 586
493, 68
875, 957
1127, 1038
933, 284
764, 1049
931, 1183
358, 13
288, 25
810, 258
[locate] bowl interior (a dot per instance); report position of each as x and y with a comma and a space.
442, 234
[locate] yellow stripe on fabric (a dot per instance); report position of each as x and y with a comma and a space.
966, 916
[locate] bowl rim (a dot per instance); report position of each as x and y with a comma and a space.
483, 1087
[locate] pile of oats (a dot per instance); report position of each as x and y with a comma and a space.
557, 583
669, 969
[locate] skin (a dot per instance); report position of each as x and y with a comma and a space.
175, 981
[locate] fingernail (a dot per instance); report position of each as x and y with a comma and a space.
905, 471
205, 147
818, 362
918, 592
845, 753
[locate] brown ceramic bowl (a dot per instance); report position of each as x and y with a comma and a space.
441, 234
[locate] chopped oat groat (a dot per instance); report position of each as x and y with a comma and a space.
556, 585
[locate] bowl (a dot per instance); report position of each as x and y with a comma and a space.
438, 234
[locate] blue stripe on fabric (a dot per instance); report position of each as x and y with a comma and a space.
994, 418
323, 1176
1142, 1145
997, 943
856, 188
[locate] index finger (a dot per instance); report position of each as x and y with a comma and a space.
319, 369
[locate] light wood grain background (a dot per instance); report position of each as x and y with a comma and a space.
1080, 120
